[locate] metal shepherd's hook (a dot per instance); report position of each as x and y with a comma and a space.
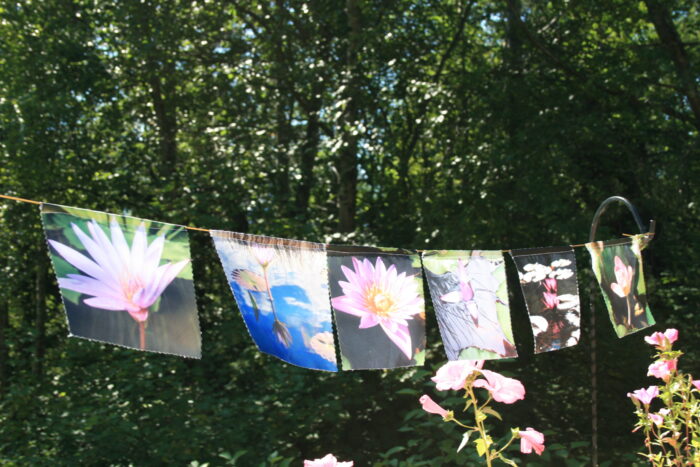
594, 380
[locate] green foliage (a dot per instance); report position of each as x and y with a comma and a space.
470, 124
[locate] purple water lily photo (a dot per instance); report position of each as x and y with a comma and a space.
123, 280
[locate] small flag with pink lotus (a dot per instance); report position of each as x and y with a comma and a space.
617, 265
377, 296
470, 298
548, 281
281, 288
123, 280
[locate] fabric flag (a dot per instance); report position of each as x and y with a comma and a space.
617, 264
548, 281
281, 288
377, 296
470, 297
123, 280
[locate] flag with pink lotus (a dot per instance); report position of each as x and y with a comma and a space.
617, 264
124, 280
548, 281
470, 298
281, 289
377, 296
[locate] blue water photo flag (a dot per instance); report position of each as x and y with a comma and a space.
281, 288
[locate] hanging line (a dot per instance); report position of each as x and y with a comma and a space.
23, 200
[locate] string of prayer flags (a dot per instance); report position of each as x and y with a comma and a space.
377, 296
123, 280
549, 285
281, 288
617, 264
470, 298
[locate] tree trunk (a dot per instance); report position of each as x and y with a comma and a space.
347, 158
40, 318
4, 368
309, 151
166, 118
668, 34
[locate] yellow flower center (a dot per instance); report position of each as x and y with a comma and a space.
379, 302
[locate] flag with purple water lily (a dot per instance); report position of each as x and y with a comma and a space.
548, 281
377, 296
281, 288
124, 280
617, 264
470, 298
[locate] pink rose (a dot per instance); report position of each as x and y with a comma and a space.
663, 340
531, 439
696, 383
662, 369
502, 389
452, 375
656, 418
431, 406
328, 461
644, 395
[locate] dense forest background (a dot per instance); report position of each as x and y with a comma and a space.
418, 124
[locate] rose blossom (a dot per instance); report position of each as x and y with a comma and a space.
662, 369
644, 395
452, 375
531, 439
502, 389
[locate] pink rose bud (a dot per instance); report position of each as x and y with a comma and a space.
531, 439
431, 406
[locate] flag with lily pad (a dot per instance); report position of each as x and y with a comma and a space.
124, 280
548, 281
281, 288
377, 296
470, 297
617, 264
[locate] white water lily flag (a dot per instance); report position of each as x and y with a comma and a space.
281, 288
548, 281
124, 280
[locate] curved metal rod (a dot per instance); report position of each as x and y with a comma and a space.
604, 205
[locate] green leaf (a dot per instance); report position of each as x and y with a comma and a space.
490, 411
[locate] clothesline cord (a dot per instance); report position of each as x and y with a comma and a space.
24, 200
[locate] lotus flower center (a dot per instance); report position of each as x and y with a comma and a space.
379, 302
130, 287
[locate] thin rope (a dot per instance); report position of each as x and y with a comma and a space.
578, 245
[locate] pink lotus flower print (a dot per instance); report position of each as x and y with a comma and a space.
623, 276
381, 296
116, 276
